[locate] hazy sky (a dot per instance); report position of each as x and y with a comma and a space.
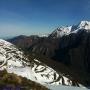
40, 16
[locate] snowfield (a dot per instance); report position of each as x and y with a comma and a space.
61, 87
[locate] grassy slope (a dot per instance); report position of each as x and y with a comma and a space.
13, 81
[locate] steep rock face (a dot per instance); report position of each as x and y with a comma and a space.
72, 42
14, 61
45, 46
74, 51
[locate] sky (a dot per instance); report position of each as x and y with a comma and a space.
27, 17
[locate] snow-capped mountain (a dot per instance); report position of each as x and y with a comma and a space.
14, 61
84, 25
59, 32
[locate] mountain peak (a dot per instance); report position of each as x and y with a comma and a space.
61, 31
84, 25
84, 21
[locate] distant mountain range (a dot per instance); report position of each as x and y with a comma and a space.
62, 31
68, 48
